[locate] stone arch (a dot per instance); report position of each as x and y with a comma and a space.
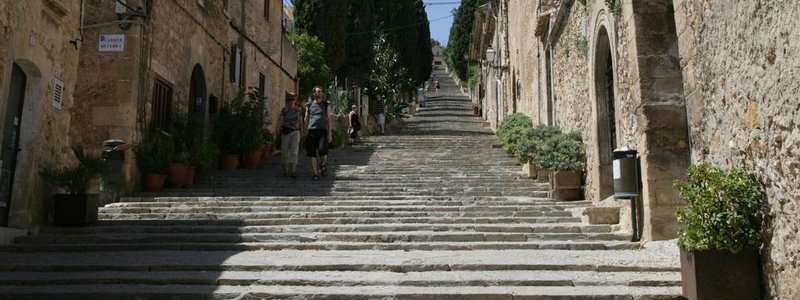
664, 150
198, 104
602, 68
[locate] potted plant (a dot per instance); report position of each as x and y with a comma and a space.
77, 207
565, 156
153, 154
529, 147
721, 233
238, 130
182, 133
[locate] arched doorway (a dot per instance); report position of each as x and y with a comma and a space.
605, 110
197, 105
11, 138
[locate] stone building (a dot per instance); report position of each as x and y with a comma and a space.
679, 81
39, 46
115, 66
176, 56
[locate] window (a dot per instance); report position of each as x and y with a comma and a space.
162, 103
236, 65
266, 9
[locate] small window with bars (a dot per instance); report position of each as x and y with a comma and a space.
162, 103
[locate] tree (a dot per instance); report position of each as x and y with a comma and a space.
460, 39
311, 66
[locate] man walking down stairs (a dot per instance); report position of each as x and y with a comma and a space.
428, 211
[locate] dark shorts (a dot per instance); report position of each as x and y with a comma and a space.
317, 142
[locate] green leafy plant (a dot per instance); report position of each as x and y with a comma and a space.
562, 152
530, 145
80, 177
724, 210
338, 138
239, 124
511, 121
582, 45
154, 152
267, 138
511, 138
206, 157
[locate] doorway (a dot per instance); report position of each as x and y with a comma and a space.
11, 139
606, 112
197, 106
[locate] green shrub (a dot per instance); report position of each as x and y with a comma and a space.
154, 152
511, 139
338, 138
511, 121
562, 152
238, 128
78, 178
724, 210
531, 143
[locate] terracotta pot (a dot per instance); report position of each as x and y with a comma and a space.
177, 174
252, 160
190, 176
228, 161
153, 183
266, 151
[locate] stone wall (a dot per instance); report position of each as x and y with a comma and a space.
36, 36
177, 38
740, 66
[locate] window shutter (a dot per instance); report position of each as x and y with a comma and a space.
58, 93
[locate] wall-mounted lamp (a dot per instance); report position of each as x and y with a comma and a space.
490, 54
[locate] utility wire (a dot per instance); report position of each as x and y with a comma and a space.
401, 27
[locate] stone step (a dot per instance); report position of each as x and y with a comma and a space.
193, 229
348, 278
333, 214
315, 201
328, 246
125, 292
341, 220
206, 208
645, 260
308, 237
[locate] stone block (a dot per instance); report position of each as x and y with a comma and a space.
667, 140
565, 194
529, 170
654, 23
602, 215
652, 6
565, 179
110, 116
654, 44
662, 117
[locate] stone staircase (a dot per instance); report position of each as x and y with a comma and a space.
431, 210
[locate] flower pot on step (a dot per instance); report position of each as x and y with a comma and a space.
565, 185
177, 174
252, 160
228, 161
721, 274
543, 175
190, 176
153, 183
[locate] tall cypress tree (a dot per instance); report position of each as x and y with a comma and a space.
461, 36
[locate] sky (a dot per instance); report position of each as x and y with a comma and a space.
439, 15
441, 18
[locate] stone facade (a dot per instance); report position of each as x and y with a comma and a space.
680, 81
190, 47
185, 47
39, 41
